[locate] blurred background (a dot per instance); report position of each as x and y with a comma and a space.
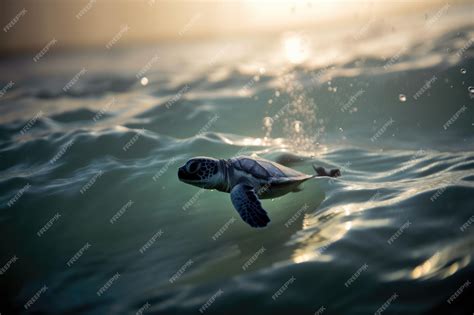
75, 25
101, 101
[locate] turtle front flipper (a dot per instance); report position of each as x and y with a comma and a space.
246, 203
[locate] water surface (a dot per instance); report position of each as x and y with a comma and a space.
92, 208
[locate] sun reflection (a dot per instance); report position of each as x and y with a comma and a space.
439, 264
252, 141
331, 229
302, 258
296, 48
348, 225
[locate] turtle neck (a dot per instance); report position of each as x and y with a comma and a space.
225, 184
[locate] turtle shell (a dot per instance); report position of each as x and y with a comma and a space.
265, 169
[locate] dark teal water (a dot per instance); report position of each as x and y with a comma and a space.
94, 220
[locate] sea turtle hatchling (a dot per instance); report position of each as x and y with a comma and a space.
247, 179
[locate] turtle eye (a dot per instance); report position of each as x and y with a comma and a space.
193, 167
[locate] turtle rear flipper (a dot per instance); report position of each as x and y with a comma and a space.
321, 171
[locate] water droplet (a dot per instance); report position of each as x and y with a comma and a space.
463, 71
340, 129
329, 82
330, 89
471, 90
144, 81
256, 78
277, 93
270, 101
297, 126
334, 89
267, 122
402, 98
261, 70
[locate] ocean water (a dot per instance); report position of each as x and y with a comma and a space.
94, 220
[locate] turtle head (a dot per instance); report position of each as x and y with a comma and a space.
201, 172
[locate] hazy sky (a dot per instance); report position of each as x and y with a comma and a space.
32, 24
